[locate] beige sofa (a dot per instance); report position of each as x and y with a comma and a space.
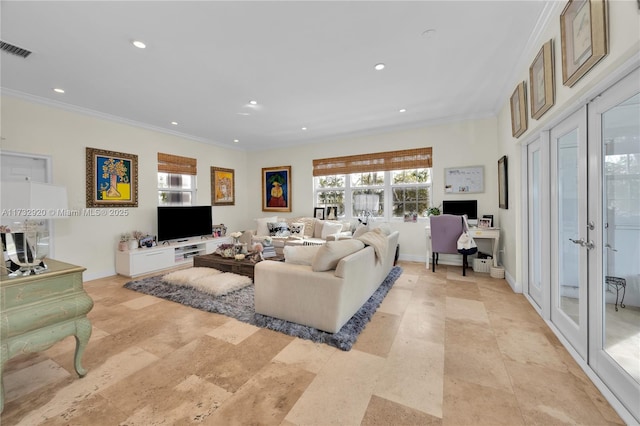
324, 300
315, 232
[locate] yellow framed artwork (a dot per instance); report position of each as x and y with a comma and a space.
223, 187
112, 179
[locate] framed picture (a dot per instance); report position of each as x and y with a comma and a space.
218, 230
541, 81
223, 187
484, 223
503, 187
318, 213
583, 32
332, 213
112, 179
519, 110
276, 189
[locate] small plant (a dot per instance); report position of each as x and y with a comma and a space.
138, 234
125, 236
433, 211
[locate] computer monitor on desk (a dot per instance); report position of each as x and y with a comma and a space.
460, 207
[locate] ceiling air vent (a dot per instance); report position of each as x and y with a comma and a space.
14, 50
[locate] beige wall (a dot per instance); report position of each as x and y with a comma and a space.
91, 241
624, 42
469, 143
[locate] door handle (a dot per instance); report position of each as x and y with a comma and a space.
609, 247
580, 242
590, 245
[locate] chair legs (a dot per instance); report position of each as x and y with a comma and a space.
464, 265
434, 261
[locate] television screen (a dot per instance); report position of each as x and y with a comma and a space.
460, 207
183, 222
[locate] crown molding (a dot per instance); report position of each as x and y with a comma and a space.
108, 117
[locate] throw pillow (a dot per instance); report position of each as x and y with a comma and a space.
329, 255
300, 255
330, 228
309, 223
262, 229
278, 229
362, 229
297, 229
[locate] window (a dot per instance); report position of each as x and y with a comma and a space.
176, 180
388, 184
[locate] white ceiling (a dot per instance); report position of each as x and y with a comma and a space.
307, 64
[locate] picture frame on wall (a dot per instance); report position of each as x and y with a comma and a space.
223, 192
112, 178
541, 81
276, 189
519, 110
318, 213
332, 213
503, 184
584, 38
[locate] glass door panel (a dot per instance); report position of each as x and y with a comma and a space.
568, 230
614, 297
535, 216
621, 234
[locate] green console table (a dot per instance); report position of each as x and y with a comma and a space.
40, 310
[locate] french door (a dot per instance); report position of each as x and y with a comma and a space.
570, 239
591, 200
614, 182
537, 163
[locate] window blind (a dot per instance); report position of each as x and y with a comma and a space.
169, 163
380, 161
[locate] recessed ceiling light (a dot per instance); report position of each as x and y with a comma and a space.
175, 123
236, 141
243, 113
138, 44
57, 90
304, 128
403, 110
253, 102
379, 67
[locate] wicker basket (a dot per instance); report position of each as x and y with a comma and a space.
482, 265
497, 272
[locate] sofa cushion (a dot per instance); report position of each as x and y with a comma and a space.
329, 254
309, 223
262, 229
362, 229
297, 229
330, 228
278, 229
300, 255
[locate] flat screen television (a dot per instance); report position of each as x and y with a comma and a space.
460, 207
182, 222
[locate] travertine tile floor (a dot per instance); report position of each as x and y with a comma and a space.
441, 349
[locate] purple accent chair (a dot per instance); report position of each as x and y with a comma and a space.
445, 231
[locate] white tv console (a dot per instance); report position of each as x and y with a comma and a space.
145, 260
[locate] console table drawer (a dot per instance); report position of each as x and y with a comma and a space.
39, 290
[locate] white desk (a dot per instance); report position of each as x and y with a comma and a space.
476, 233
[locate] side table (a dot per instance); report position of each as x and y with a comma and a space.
40, 310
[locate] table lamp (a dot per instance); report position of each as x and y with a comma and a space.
28, 204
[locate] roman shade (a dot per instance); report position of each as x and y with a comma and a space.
169, 163
381, 161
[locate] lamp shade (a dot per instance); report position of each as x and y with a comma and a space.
28, 199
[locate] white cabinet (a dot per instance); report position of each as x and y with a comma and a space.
146, 260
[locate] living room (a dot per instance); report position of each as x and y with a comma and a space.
54, 130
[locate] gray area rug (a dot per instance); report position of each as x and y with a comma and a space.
239, 305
